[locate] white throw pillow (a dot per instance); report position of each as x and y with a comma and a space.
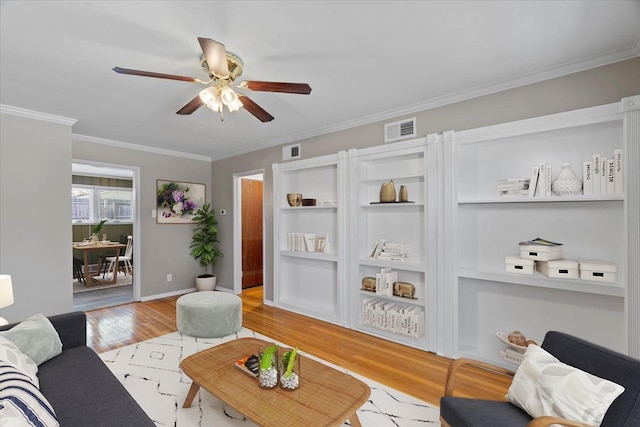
36, 337
11, 354
21, 399
543, 385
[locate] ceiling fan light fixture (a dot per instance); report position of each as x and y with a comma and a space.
228, 96
209, 94
235, 105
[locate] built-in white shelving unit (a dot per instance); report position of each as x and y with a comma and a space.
311, 283
485, 228
459, 231
405, 223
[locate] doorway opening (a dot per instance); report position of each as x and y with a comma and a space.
248, 226
102, 191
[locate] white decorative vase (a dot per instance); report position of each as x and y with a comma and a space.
206, 283
567, 183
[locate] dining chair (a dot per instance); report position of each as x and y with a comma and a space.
103, 263
126, 259
77, 270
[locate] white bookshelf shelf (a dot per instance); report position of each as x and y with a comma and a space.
308, 208
397, 179
408, 266
541, 281
604, 198
404, 205
310, 255
403, 300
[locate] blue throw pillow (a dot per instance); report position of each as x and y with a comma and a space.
36, 337
20, 400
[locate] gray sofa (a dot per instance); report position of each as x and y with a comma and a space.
80, 387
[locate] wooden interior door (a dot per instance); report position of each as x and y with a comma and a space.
251, 191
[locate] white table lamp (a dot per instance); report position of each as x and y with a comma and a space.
6, 294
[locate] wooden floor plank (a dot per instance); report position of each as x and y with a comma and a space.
416, 372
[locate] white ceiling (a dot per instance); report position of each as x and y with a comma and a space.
365, 60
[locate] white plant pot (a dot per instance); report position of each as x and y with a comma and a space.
206, 283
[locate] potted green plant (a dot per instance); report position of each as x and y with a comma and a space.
95, 230
203, 245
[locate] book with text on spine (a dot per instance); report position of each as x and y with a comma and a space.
596, 173
618, 171
533, 181
587, 178
611, 184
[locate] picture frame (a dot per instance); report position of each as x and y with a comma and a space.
320, 243
178, 201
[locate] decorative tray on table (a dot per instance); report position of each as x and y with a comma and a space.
249, 365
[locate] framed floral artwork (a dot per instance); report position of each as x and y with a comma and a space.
177, 202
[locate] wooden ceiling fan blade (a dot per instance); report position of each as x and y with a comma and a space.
299, 88
191, 106
254, 108
216, 56
152, 74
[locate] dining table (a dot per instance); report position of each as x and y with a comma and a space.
92, 279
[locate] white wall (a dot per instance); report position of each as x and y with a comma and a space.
35, 208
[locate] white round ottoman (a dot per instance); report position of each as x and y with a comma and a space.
209, 314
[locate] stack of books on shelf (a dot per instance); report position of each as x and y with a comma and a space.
600, 175
391, 317
389, 251
301, 242
384, 282
540, 181
603, 174
513, 187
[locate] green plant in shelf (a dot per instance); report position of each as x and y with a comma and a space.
288, 360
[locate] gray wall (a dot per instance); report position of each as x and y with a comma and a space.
35, 212
598, 86
35, 231
164, 248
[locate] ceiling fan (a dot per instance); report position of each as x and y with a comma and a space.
223, 68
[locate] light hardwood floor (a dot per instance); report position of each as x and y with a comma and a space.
412, 371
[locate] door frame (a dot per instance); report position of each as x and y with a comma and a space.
136, 217
237, 228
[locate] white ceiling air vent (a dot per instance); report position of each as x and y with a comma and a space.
400, 130
290, 152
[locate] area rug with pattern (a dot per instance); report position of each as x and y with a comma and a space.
150, 371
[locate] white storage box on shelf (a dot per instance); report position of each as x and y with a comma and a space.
540, 252
516, 264
559, 268
599, 271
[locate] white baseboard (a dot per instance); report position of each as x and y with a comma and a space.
269, 303
181, 292
168, 294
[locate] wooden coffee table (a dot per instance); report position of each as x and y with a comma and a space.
326, 396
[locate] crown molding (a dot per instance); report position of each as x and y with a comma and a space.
30, 114
518, 81
137, 147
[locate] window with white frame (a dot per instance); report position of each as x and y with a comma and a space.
90, 204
